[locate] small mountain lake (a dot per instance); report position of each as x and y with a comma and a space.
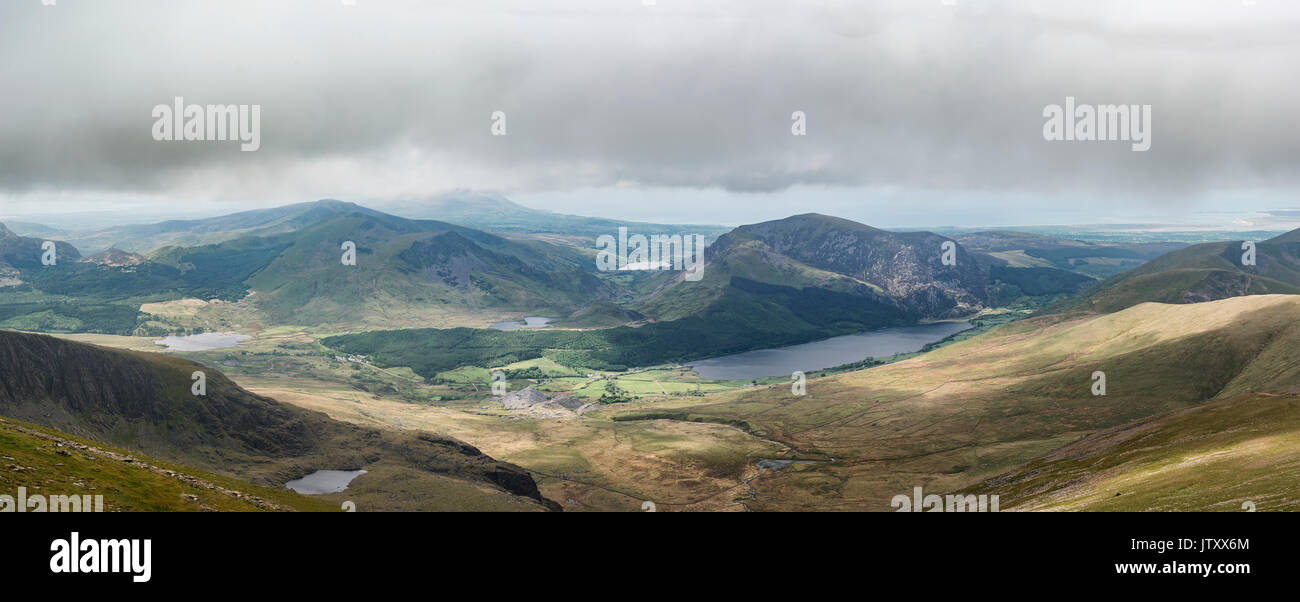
324, 481
529, 322
826, 353
202, 342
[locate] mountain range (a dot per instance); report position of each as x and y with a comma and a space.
1195, 344
287, 262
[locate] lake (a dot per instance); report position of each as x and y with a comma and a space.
324, 481
826, 353
202, 342
529, 322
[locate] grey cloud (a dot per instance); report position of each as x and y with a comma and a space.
394, 97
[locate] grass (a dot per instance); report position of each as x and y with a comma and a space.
977, 408
1214, 457
592, 463
973, 408
36, 463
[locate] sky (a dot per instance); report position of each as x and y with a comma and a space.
916, 112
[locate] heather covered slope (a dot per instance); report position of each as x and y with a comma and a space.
143, 402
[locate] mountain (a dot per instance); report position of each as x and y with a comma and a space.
496, 213
1203, 272
978, 408
35, 230
25, 253
416, 266
144, 238
874, 276
144, 402
407, 271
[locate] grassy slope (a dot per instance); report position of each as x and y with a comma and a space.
1212, 457
977, 408
1201, 272
142, 401
29, 456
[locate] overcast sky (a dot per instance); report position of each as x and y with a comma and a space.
918, 113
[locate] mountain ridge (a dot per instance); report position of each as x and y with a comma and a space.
1198, 273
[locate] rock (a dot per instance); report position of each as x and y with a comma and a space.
540, 404
524, 399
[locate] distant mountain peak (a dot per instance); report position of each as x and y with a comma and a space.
335, 204
821, 219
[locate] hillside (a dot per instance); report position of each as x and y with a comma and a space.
143, 402
1213, 457
1203, 272
977, 408
409, 265
47, 462
24, 253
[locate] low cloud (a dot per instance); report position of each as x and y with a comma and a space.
394, 98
